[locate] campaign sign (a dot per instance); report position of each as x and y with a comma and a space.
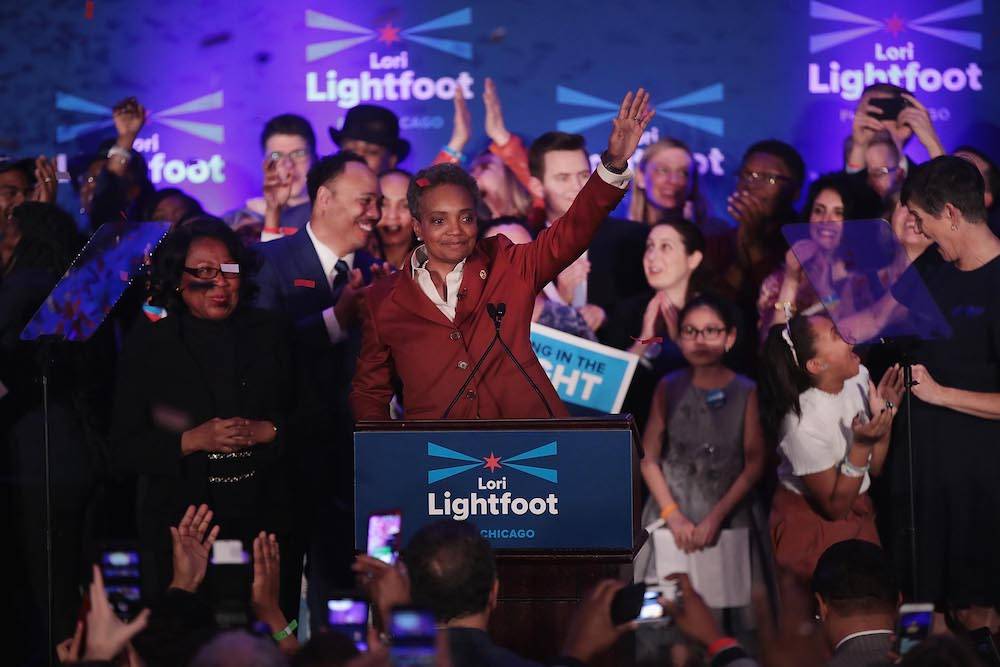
524, 490
584, 373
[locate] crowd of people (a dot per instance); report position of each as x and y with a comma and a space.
217, 402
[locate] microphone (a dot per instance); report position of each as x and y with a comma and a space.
491, 310
499, 312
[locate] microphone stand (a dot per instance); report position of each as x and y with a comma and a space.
501, 310
491, 310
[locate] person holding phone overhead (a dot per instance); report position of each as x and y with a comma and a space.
429, 324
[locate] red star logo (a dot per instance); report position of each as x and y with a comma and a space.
492, 462
389, 34
894, 25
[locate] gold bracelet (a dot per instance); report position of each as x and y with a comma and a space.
781, 305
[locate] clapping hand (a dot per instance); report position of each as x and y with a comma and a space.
634, 115
277, 190
192, 543
267, 580
867, 433
496, 130
462, 127
660, 318
45, 181
889, 390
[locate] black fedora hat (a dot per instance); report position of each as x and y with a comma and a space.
374, 124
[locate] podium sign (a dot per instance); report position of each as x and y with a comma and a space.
526, 489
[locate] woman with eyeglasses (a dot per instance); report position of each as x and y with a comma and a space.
832, 427
815, 273
704, 448
201, 403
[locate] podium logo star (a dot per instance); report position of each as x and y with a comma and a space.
894, 25
492, 462
389, 34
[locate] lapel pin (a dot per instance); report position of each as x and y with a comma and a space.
302, 282
482, 274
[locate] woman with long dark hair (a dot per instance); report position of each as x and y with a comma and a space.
832, 427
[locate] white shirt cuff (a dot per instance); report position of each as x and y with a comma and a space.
620, 181
333, 326
266, 236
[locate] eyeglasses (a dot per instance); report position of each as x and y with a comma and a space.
11, 191
880, 172
759, 178
298, 155
710, 334
228, 271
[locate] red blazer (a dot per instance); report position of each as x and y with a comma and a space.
405, 335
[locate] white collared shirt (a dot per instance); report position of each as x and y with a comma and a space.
328, 260
452, 282
580, 293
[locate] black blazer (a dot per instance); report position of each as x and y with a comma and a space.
615, 255
292, 284
160, 393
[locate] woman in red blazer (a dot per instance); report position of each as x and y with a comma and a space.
428, 324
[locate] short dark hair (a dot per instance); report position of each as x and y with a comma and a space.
946, 179
326, 169
25, 167
289, 123
452, 569
192, 206
439, 174
860, 201
992, 172
784, 152
49, 240
170, 255
552, 141
723, 308
855, 577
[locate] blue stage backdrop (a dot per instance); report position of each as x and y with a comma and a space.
722, 74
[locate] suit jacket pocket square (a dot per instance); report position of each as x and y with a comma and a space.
302, 282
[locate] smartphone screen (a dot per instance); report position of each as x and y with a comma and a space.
914, 627
383, 535
651, 609
228, 581
122, 581
413, 633
349, 617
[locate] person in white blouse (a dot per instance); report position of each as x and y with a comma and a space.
832, 428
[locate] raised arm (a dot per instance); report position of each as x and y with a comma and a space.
558, 246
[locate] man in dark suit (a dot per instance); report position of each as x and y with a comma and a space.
313, 278
560, 167
857, 597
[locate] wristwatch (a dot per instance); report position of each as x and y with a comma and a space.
606, 161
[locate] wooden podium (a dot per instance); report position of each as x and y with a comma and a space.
547, 558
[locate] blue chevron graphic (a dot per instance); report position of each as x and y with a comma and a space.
211, 131
438, 474
445, 453
708, 94
822, 41
453, 20
542, 473
537, 453
456, 19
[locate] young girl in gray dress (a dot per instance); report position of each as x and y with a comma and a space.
704, 444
